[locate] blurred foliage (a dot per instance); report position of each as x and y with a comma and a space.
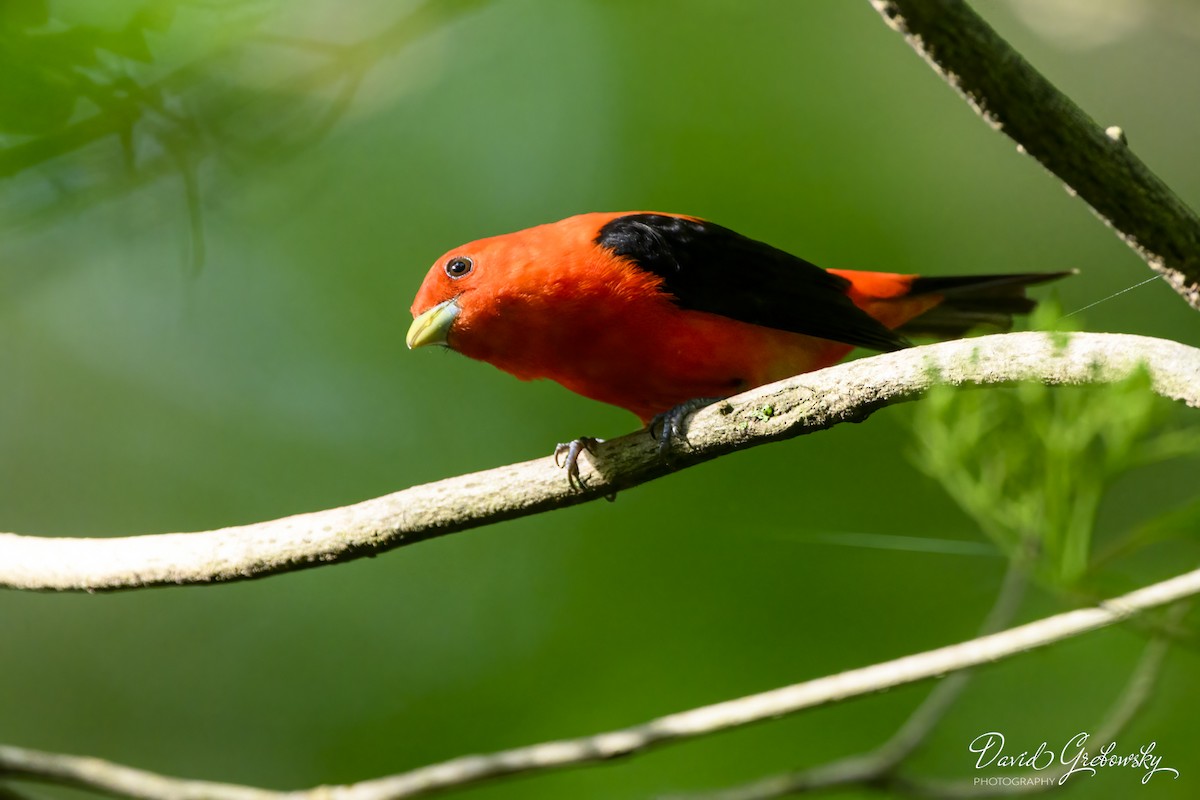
50, 68
223, 88
318, 156
1031, 464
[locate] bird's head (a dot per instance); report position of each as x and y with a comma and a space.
464, 289
480, 297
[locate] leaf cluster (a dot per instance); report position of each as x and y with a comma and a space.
1030, 464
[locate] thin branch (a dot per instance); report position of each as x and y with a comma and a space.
1132, 700
877, 769
1094, 162
803, 404
916, 729
883, 760
104, 776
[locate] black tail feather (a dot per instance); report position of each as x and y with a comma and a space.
974, 301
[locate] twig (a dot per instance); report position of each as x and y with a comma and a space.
1127, 705
916, 729
116, 779
883, 760
1094, 162
803, 404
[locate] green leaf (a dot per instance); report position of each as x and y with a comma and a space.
1030, 464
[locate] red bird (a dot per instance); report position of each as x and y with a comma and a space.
648, 311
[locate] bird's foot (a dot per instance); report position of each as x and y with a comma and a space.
670, 423
571, 451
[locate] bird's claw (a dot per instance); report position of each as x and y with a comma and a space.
571, 451
670, 423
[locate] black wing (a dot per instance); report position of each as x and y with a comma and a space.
706, 267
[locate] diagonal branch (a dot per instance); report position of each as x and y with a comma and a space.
878, 768
104, 776
875, 765
803, 404
1127, 705
1094, 163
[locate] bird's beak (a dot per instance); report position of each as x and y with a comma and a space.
433, 326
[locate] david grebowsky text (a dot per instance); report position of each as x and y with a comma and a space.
1073, 758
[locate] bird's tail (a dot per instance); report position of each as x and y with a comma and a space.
973, 301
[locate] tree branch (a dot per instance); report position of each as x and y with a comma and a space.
878, 768
803, 404
104, 776
1132, 699
1094, 163
883, 761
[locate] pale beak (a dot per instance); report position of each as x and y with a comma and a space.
433, 326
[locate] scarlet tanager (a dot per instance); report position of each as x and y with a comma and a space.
648, 311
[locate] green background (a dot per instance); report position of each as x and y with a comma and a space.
145, 393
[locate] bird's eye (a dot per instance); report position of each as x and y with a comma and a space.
459, 266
